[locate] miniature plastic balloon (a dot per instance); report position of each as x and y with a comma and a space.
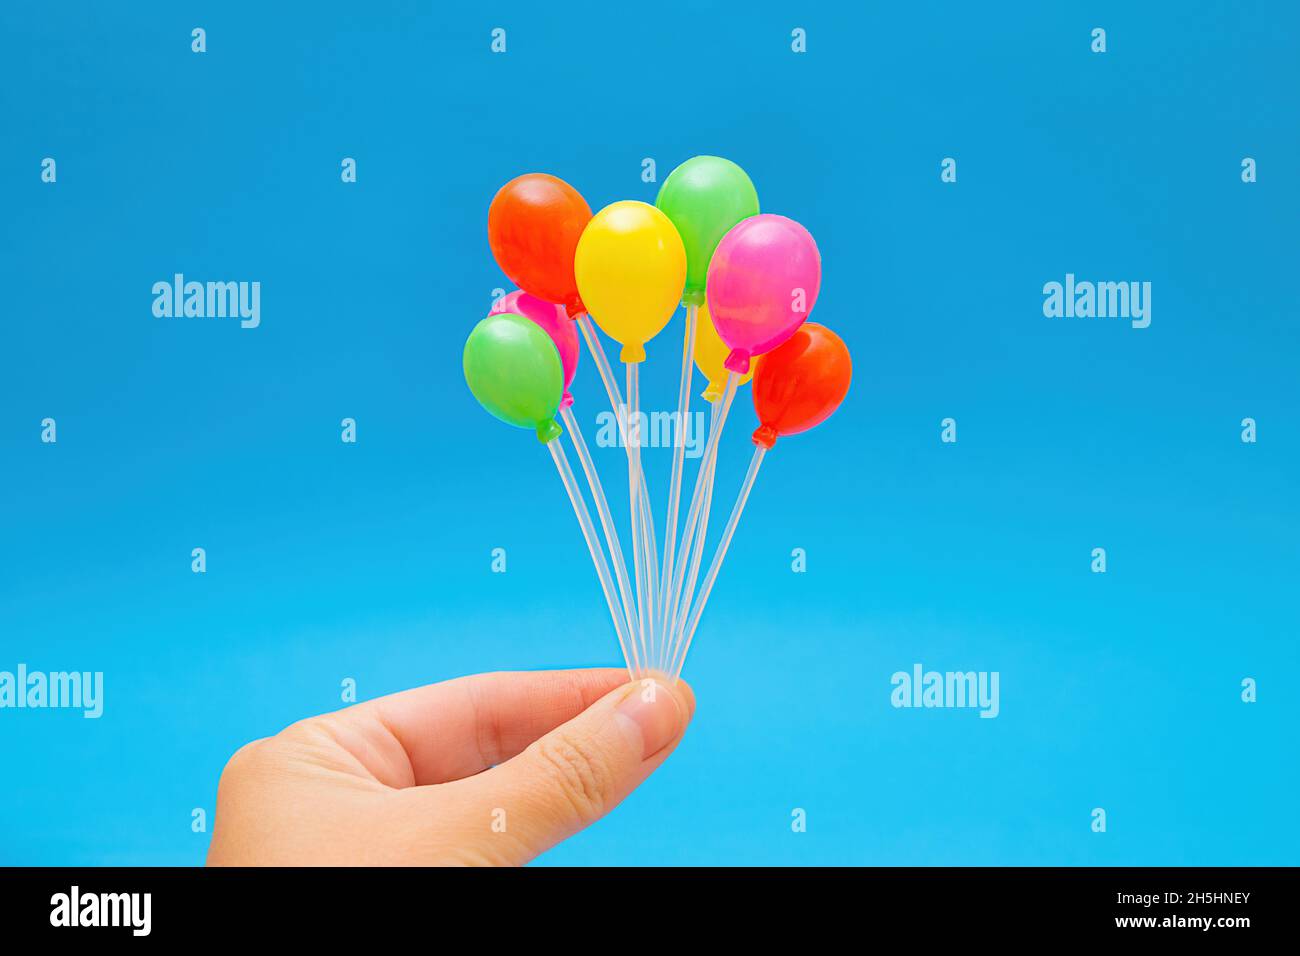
555, 322
630, 267
704, 197
534, 224
763, 283
710, 353
799, 384
514, 370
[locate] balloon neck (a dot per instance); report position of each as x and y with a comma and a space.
575, 308
632, 353
765, 435
693, 297
566, 401
712, 393
548, 431
737, 361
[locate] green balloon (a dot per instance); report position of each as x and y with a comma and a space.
514, 370
704, 197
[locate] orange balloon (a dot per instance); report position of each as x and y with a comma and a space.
800, 383
534, 224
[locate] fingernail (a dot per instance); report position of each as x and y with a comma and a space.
650, 714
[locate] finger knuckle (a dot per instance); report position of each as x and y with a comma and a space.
579, 772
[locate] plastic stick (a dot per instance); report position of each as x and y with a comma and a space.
703, 479
597, 352
716, 565
606, 522
593, 545
688, 536
695, 558
675, 487
633, 433
649, 554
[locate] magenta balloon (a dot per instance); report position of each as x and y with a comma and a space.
762, 285
555, 322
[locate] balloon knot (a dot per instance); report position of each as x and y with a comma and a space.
737, 361
566, 401
575, 308
693, 297
632, 353
765, 435
548, 431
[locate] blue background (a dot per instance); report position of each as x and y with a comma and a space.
372, 561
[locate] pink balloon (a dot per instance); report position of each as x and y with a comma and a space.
762, 284
555, 322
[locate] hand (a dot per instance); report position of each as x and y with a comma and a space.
491, 769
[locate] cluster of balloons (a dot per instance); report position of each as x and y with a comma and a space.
749, 281
755, 277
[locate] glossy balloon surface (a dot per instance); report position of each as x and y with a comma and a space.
630, 267
763, 283
799, 384
513, 369
704, 197
534, 224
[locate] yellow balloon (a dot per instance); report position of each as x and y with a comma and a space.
710, 353
631, 270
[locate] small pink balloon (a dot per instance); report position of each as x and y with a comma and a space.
555, 322
762, 284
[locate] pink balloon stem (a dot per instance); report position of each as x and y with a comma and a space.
698, 520
675, 488
688, 535
696, 556
716, 564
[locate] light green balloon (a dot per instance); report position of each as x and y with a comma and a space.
514, 370
704, 197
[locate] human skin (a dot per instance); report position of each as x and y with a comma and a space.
491, 769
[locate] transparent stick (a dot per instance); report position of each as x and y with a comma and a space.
649, 549
675, 487
695, 557
703, 479
597, 352
688, 536
606, 523
716, 565
633, 433
593, 545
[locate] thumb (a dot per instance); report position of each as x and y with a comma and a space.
574, 775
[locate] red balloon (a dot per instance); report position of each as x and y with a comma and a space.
800, 383
534, 224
